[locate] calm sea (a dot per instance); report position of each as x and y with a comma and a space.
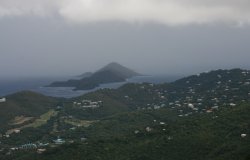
12, 86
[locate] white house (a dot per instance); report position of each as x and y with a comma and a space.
59, 141
215, 107
2, 100
190, 105
162, 123
17, 131
232, 104
243, 135
148, 129
41, 150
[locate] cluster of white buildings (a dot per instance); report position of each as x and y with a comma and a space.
194, 96
88, 104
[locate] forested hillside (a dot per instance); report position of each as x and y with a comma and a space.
205, 116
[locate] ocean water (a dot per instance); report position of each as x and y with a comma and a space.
37, 85
9, 86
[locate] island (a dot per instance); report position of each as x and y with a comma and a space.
110, 73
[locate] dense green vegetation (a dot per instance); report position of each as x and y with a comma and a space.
197, 117
197, 137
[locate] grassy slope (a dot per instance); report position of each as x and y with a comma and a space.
24, 103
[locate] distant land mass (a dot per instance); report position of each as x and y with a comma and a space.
110, 73
85, 75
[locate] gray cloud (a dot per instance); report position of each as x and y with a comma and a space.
47, 47
169, 12
42, 44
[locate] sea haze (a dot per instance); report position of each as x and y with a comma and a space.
12, 85
37, 85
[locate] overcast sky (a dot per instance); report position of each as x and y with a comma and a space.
69, 37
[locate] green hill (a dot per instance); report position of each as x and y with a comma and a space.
198, 117
26, 104
108, 107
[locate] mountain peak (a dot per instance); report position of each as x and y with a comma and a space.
119, 69
112, 65
113, 72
